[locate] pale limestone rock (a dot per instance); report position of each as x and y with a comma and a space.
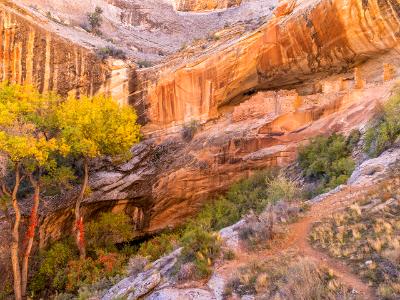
376, 168
181, 294
230, 235
217, 286
136, 286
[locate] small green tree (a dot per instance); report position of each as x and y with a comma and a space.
95, 20
95, 127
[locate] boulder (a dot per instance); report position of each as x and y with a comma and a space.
137, 286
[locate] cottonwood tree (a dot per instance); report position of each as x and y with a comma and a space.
26, 146
95, 127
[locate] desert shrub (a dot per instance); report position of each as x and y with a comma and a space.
189, 130
109, 51
258, 229
108, 230
251, 193
217, 215
282, 188
366, 237
354, 138
95, 20
51, 274
83, 272
327, 160
60, 269
385, 130
136, 265
7, 291
145, 64
201, 248
158, 246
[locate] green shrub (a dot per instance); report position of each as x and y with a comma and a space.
282, 188
83, 272
159, 246
51, 274
200, 247
327, 160
108, 230
61, 270
384, 131
189, 130
110, 51
217, 215
251, 193
95, 20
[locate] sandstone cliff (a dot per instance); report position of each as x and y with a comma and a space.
302, 61
318, 38
30, 54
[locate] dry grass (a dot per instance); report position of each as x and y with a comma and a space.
262, 228
367, 235
287, 277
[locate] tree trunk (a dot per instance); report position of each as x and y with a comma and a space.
30, 234
79, 226
15, 237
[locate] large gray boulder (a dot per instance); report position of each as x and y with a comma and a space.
136, 286
375, 169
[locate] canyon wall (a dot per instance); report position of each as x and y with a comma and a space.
204, 5
319, 37
30, 54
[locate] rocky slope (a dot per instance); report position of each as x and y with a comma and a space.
315, 67
158, 281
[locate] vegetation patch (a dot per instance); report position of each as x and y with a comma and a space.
110, 51
61, 270
327, 161
201, 243
385, 130
286, 277
367, 236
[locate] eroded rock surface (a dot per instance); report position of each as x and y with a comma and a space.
317, 38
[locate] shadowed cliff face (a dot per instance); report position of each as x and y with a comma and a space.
319, 37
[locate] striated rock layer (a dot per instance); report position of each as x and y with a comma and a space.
31, 55
319, 37
203, 5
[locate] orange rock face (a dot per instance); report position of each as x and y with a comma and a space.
318, 37
285, 8
266, 104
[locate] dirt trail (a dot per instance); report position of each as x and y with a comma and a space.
297, 239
